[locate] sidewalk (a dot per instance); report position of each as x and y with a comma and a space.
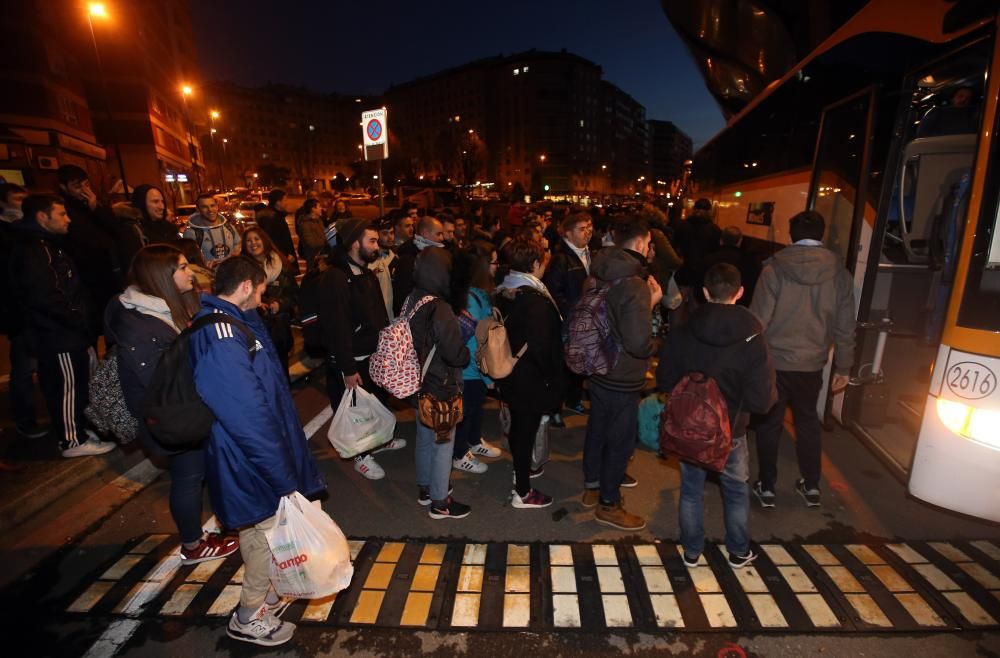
41, 477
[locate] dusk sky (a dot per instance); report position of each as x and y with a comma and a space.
354, 47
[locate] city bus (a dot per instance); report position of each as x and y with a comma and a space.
888, 128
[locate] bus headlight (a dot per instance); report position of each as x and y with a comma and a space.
980, 425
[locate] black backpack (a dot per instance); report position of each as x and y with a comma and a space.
308, 317
174, 413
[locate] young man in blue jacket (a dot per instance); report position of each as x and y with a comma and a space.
256, 452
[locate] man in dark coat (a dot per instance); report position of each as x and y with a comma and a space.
696, 238
351, 315
91, 243
50, 295
614, 396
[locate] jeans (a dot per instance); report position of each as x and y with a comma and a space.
471, 428
22, 388
801, 391
257, 556
611, 436
433, 462
187, 475
735, 502
521, 439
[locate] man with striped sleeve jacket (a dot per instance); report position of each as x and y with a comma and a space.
51, 297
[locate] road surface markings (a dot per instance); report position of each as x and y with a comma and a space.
645, 586
665, 608
565, 602
813, 603
717, 609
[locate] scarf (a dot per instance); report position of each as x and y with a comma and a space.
135, 299
272, 267
422, 243
582, 253
515, 279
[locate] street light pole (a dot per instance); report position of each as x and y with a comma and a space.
189, 128
98, 10
213, 115
225, 156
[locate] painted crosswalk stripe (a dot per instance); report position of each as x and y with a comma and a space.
763, 604
204, 571
565, 602
422, 586
93, 594
465, 612
907, 554
376, 583
915, 605
717, 609
151, 586
867, 610
517, 586
180, 600
967, 606
813, 603
949, 551
988, 548
970, 609
609, 579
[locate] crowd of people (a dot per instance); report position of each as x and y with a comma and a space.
685, 296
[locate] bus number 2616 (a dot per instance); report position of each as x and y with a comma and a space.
970, 380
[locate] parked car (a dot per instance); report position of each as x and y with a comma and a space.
356, 198
246, 213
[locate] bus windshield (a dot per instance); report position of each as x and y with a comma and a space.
980, 307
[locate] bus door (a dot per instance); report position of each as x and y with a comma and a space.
911, 266
838, 191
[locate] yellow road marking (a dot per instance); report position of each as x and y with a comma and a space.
418, 606
470, 578
518, 579
367, 607
865, 554
466, 610
518, 554
821, 554
390, 552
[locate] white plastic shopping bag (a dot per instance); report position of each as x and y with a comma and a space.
310, 556
361, 423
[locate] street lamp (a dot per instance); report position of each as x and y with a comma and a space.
96, 9
188, 128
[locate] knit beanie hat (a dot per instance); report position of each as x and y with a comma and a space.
351, 229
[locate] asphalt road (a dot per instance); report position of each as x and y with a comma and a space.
862, 504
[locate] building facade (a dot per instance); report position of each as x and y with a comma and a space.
107, 90
669, 148
286, 135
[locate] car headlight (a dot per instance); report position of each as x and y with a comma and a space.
980, 425
238, 215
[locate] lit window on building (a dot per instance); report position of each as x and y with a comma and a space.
525, 69
517, 71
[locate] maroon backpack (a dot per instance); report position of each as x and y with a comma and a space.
694, 425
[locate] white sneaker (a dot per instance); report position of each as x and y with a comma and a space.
92, 446
395, 444
484, 449
263, 628
367, 466
468, 463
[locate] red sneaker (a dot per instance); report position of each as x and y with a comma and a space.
212, 547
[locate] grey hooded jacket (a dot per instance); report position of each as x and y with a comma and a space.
805, 300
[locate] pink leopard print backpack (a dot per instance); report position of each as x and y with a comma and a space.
394, 365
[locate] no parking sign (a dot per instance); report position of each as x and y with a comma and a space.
375, 132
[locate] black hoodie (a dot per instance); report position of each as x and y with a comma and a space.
723, 341
435, 324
